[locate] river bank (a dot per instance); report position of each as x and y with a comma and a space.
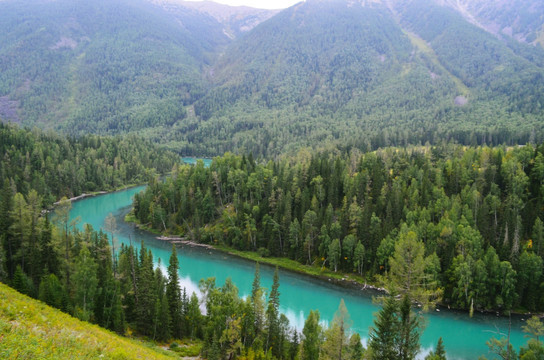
350, 280
96, 193
300, 293
346, 280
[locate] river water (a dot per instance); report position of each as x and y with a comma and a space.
464, 337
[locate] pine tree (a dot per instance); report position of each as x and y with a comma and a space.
538, 237
62, 218
21, 282
110, 225
384, 336
312, 337
439, 353
20, 229
34, 208
256, 282
408, 331
407, 275
146, 293
272, 316
173, 295
105, 288
194, 317
52, 292
334, 253
359, 257
48, 255
6, 204
356, 350
85, 283
162, 319
294, 348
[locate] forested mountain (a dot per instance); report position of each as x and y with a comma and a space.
203, 78
519, 19
103, 66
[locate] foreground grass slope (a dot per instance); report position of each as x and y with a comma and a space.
30, 329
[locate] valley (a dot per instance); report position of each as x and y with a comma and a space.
301, 157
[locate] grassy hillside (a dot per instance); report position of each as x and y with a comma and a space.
30, 329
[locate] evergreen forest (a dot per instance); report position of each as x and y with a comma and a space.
392, 144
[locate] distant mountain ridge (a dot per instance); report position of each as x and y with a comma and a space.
204, 78
518, 19
235, 19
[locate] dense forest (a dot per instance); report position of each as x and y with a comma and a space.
473, 216
123, 292
296, 207
392, 142
40, 168
54, 166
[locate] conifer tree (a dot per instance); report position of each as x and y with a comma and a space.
335, 253
6, 204
312, 337
439, 353
295, 345
356, 350
146, 293
409, 334
85, 283
161, 319
52, 292
194, 317
21, 282
20, 229
336, 336
48, 256
272, 316
384, 335
173, 295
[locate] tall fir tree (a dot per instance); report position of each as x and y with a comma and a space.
439, 353
146, 293
384, 334
272, 316
6, 204
409, 331
173, 296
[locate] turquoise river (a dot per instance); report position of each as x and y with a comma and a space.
464, 337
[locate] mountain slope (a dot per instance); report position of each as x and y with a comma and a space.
518, 19
203, 78
366, 74
31, 329
102, 66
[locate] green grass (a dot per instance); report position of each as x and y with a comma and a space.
315, 270
293, 265
187, 349
30, 329
130, 218
427, 50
